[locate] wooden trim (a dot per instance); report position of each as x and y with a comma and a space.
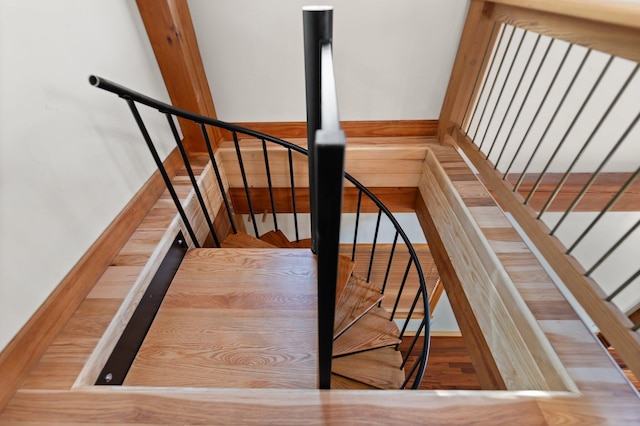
26, 348
396, 199
619, 37
170, 30
613, 324
476, 36
483, 362
620, 13
522, 353
353, 129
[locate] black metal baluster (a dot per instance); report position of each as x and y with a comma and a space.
293, 195
524, 101
244, 181
192, 178
586, 144
413, 370
373, 246
493, 84
163, 172
266, 164
568, 131
214, 163
623, 286
484, 83
413, 342
410, 314
595, 174
553, 117
504, 84
540, 105
386, 275
404, 280
355, 233
485, 56
613, 248
515, 92
606, 208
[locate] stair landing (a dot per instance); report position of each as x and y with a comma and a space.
234, 318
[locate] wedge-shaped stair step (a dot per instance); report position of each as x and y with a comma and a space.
242, 240
345, 268
379, 368
373, 330
278, 239
358, 298
303, 243
339, 382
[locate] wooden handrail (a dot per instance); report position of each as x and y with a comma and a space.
610, 27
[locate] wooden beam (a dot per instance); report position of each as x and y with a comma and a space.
613, 324
462, 89
353, 129
26, 348
396, 199
483, 362
170, 30
619, 35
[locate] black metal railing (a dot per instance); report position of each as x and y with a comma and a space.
563, 123
418, 313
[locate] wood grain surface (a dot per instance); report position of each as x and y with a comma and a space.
234, 318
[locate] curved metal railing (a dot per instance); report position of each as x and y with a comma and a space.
416, 350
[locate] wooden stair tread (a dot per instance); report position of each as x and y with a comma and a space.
339, 382
242, 240
278, 239
379, 368
303, 243
357, 299
345, 269
372, 331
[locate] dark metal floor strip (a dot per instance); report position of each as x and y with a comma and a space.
125, 351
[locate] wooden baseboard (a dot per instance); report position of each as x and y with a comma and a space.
26, 348
353, 129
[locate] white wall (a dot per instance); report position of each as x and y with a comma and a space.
392, 57
71, 156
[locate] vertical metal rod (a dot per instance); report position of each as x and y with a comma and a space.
293, 194
586, 144
214, 163
163, 172
192, 178
515, 92
386, 275
504, 84
623, 286
404, 280
484, 83
244, 181
477, 80
266, 165
595, 174
413, 370
613, 248
495, 80
355, 233
524, 101
318, 28
553, 117
410, 314
610, 204
413, 343
373, 246
569, 129
542, 103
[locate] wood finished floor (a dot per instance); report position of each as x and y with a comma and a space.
234, 318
